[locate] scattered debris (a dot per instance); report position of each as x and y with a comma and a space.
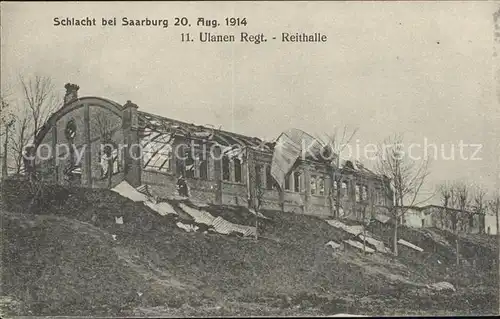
129, 192
359, 245
119, 220
162, 208
143, 189
442, 286
200, 216
353, 230
410, 245
333, 244
379, 246
436, 237
382, 218
258, 214
222, 226
186, 227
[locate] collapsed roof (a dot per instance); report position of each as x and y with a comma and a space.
157, 132
154, 126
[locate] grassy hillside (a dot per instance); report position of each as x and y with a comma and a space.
60, 258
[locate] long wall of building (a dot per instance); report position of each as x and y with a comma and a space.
447, 219
233, 181
70, 151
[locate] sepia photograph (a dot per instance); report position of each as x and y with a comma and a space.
249, 158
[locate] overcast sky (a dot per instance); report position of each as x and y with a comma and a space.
425, 69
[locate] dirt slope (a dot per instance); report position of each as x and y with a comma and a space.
60, 258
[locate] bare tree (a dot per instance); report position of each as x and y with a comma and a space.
494, 207
449, 197
480, 208
38, 102
7, 120
445, 191
39, 98
256, 199
406, 175
20, 139
463, 200
368, 211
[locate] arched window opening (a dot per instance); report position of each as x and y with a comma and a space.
312, 183
237, 170
321, 186
157, 153
344, 189
364, 193
70, 130
358, 194
203, 169
287, 182
258, 176
270, 183
296, 181
189, 166
226, 168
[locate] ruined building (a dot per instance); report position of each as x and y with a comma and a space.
451, 219
217, 166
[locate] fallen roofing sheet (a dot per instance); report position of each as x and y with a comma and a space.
162, 208
187, 227
200, 216
222, 226
288, 148
408, 244
143, 189
354, 230
443, 285
359, 245
258, 214
436, 237
199, 203
379, 246
333, 244
129, 192
382, 218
